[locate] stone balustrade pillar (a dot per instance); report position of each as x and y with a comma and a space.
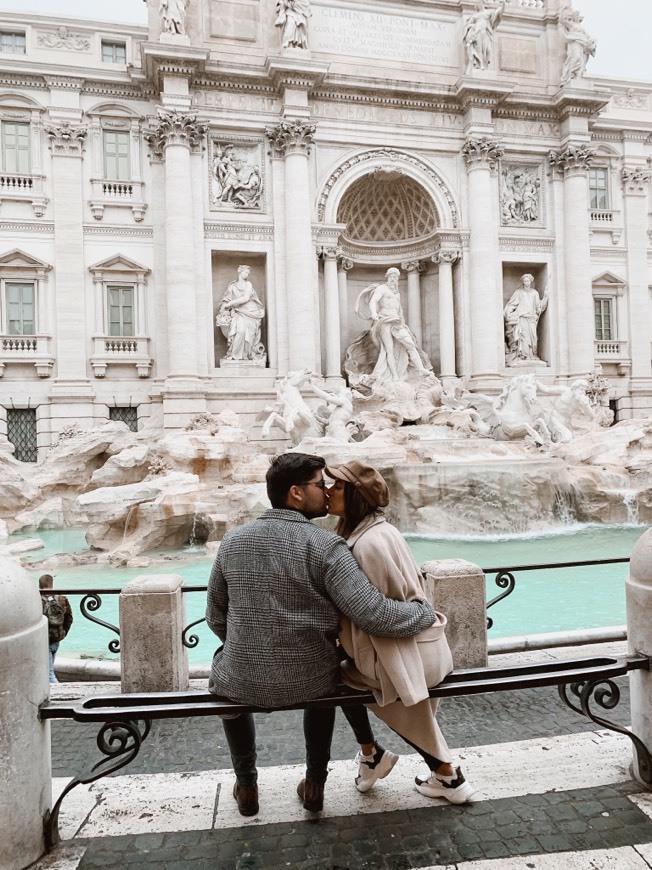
414, 269
292, 139
636, 185
332, 311
485, 293
152, 618
574, 161
638, 594
25, 766
457, 588
445, 260
172, 138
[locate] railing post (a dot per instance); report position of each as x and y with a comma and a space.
639, 632
25, 766
152, 618
458, 589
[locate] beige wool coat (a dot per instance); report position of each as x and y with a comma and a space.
398, 671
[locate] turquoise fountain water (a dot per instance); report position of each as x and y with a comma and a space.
543, 601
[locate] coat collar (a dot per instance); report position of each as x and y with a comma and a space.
284, 514
366, 524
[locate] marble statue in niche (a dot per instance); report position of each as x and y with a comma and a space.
521, 315
520, 201
292, 17
239, 316
579, 45
479, 34
388, 350
173, 16
237, 180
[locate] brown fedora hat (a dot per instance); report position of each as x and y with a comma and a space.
365, 478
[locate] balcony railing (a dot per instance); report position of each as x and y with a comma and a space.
109, 192
602, 216
121, 350
24, 186
30, 349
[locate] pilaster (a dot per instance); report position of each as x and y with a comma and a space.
445, 260
636, 185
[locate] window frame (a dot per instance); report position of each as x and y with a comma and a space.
5, 124
6, 306
131, 287
596, 188
119, 175
600, 300
113, 44
13, 34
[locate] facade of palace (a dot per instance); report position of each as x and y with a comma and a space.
318, 143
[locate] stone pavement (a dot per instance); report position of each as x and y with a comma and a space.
555, 792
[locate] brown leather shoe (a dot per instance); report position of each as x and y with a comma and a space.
247, 799
312, 795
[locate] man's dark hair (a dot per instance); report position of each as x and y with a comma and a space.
287, 470
45, 581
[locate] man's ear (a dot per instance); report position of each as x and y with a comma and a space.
295, 496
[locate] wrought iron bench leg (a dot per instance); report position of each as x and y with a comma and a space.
120, 742
606, 694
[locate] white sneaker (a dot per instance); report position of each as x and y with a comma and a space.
454, 789
370, 770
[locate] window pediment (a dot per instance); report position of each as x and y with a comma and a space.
18, 259
607, 283
119, 267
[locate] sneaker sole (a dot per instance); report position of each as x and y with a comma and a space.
427, 791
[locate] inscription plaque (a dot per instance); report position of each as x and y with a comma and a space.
403, 38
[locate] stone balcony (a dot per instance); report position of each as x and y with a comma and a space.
615, 352
24, 188
26, 350
109, 350
127, 194
608, 220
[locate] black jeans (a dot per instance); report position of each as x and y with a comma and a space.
318, 732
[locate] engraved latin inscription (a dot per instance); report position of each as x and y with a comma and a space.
360, 33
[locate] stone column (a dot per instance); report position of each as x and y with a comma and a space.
638, 592
343, 266
485, 293
292, 139
414, 269
152, 618
174, 136
446, 261
635, 198
574, 161
332, 311
458, 589
25, 767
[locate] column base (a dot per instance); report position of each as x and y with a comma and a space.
487, 382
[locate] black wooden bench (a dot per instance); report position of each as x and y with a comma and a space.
126, 719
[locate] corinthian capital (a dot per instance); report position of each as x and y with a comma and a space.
635, 180
482, 152
175, 128
291, 137
447, 257
572, 159
65, 139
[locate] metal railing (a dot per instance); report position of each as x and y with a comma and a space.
91, 600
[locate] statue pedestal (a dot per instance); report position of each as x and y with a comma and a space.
258, 363
523, 366
174, 39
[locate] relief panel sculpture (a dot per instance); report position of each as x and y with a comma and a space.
521, 195
236, 180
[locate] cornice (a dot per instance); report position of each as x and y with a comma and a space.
521, 243
27, 227
579, 102
470, 92
434, 104
609, 253
118, 230
124, 92
234, 84
22, 80
295, 72
230, 230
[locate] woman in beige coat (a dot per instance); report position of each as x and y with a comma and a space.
398, 671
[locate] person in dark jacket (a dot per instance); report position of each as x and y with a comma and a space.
275, 595
59, 615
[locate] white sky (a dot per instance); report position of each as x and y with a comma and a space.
621, 27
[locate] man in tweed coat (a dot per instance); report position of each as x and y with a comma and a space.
275, 595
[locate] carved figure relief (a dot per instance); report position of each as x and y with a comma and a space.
173, 16
579, 45
292, 17
521, 195
388, 350
236, 176
63, 38
239, 316
522, 314
479, 34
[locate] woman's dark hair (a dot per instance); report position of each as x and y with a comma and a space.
289, 469
356, 507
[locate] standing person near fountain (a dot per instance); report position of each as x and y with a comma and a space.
275, 595
59, 615
398, 671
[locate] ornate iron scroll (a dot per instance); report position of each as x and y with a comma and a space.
504, 580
